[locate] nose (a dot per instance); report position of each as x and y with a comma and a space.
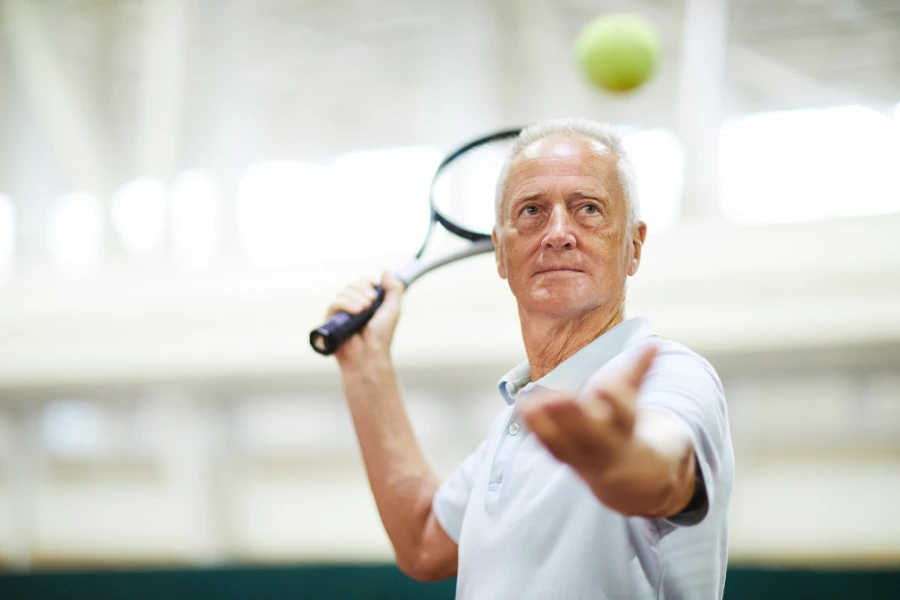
559, 234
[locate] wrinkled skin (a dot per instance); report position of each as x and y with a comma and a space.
564, 244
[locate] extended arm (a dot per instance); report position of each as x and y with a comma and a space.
637, 462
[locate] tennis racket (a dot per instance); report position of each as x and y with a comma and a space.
462, 206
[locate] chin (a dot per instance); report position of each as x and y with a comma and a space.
556, 304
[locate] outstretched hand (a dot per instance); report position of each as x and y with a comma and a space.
592, 430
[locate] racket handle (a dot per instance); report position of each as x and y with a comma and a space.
342, 326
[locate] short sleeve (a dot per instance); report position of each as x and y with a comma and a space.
685, 385
452, 498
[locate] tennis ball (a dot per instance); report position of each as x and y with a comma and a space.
618, 52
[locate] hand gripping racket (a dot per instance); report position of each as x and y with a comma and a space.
462, 203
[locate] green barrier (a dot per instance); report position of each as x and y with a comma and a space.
386, 581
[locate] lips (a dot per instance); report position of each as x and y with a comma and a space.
558, 269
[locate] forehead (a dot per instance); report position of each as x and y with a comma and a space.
561, 156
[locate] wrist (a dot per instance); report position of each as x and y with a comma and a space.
366, 367
609, 467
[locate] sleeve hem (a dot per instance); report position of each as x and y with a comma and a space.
452, 533
694, 516
691, 515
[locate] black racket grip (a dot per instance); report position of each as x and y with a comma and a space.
342, 326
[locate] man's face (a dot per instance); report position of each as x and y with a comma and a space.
562, 239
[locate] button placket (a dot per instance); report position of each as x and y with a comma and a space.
508, 445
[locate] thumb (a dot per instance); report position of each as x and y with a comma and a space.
393, 289
385, 318
635, 375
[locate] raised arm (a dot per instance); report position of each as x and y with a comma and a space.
401, 479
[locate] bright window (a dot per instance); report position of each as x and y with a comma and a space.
810, 164
284, 209
195, 218
372, 203
658, 159
139, 214
384, 195
76, 234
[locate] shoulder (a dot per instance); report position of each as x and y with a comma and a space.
679, 361
673, 362
684, 380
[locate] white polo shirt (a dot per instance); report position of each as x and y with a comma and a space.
528, 527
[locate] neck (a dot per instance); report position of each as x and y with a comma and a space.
550, 339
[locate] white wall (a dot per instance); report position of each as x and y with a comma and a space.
716, 287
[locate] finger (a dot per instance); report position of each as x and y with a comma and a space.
392, 286
622, 392
338, 306
354, 297
364, 297
366, 287
542, 425
589, 430
635, 375
393, 292
350, 302
614, 394
620, 398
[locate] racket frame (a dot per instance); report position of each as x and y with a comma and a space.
329, 337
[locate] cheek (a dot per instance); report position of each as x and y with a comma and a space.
515, 251
611, 254
607, 245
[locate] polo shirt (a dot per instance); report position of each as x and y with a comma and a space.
529, 527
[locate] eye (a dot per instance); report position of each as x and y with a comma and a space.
530, 210
591, 209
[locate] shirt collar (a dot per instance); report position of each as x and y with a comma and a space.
568, 376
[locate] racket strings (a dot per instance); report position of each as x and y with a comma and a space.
464, 187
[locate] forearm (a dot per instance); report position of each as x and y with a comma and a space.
655, 475
402, 481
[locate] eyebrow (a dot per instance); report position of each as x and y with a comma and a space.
590, 195
599, 197
527, 196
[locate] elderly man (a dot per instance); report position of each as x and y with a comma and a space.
609, 472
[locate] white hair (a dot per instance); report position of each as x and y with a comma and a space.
602, 139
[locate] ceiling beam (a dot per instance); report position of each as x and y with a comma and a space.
161, 97
57, 103
701, 85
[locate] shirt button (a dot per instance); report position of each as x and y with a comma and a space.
513, 428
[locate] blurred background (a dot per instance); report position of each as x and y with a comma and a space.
184, 185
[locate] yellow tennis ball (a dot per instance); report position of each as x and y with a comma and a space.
618, 52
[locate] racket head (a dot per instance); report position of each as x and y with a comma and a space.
462, 198
463, 190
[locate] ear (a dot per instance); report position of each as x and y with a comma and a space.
498, 254
638, 236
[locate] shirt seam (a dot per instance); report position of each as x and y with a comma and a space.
662, 564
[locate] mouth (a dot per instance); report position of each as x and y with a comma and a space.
558, 270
